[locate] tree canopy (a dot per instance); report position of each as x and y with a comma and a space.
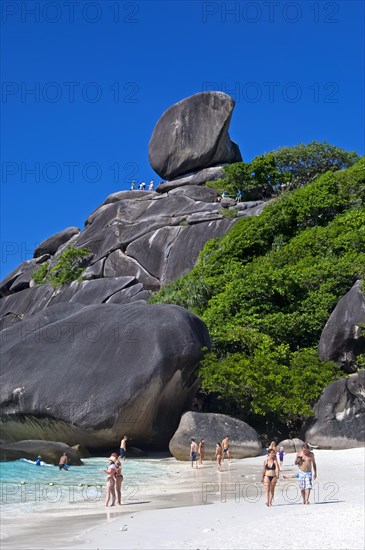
266, 289
285, 168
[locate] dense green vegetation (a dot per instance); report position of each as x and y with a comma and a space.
265, 291
286, 168
67, 269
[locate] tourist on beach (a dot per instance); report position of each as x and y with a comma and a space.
305, 471
201, 451
219, 456
194, 453
225, 445
270, 475
110, 484
272, 446
118, 478
123, 447
38, 461
63, 462
281, 456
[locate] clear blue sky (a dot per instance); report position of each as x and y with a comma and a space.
103, 72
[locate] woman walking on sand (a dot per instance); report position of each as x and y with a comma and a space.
219, 456
270, 475
201, 451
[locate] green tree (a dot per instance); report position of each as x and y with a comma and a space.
282, 169
265, 291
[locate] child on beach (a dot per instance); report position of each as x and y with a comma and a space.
219, 456
281, 456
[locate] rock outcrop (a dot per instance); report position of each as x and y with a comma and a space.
50, 451
244, 441
193, 135
85, 374
343, 337
294, 445
138, 241
195, 178
66, 376
339, 421
52, 244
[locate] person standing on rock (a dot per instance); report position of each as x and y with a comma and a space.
133, 186
305, 472
123, 447
151, 185
194, 453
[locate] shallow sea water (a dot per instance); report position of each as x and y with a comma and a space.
27, 488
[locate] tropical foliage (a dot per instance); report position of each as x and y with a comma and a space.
286, 168
266, 289
67, 269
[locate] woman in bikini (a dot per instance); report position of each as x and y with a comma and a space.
201, 451
219, 456
270, 475
110, 484
118, 478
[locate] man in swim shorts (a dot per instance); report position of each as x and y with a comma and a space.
305, 472
225, 446
123, 448
63, 462
194, 453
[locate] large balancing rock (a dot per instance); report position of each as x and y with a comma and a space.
339, 421
91, 374
212, 427
193, 135
343, 337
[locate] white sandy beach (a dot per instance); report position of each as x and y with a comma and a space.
204, 509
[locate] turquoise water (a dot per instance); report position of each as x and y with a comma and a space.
28, 488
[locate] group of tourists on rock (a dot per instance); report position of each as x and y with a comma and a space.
142, 186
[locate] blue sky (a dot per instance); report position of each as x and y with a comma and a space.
84, 83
